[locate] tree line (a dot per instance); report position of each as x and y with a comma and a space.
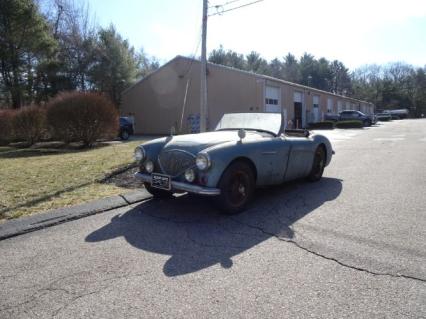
60, 48
390, 86
50, 46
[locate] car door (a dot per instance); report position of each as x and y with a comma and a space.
346, 116
300, 158
271, 157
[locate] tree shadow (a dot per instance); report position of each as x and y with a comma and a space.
197, 236
43, 151
37, 200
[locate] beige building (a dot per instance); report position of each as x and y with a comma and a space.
170, 96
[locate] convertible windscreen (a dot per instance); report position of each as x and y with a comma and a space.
267, 122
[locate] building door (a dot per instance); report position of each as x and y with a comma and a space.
272, 99
329, 105
315, 105
298, 110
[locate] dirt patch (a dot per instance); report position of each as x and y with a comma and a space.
124, 178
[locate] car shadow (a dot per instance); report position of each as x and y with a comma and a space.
196, 235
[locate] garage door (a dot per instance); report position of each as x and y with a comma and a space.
339, 106
272, 99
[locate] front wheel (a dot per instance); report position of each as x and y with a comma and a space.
236, 186
156, 192
318, 165
124, 135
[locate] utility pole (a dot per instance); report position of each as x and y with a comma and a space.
203, 78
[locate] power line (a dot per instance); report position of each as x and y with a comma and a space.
224, 4
235, 8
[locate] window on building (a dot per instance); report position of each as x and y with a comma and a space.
315, 101
271, 101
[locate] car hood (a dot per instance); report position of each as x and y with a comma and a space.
195, 143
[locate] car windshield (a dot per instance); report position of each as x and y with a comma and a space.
264, 122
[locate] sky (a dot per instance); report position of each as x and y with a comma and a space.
355, 32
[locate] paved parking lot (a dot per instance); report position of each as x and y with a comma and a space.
352, 245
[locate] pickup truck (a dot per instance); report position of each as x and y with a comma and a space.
352, 115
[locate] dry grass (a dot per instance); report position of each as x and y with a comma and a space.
34, 180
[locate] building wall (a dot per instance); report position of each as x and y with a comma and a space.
157, 102
232, 92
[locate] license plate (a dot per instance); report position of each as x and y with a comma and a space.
161, 181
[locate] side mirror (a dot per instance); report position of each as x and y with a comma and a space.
241, 133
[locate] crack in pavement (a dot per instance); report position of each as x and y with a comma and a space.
125, 199
374, 273
74, 296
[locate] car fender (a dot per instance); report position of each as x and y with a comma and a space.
321, 139
154, 147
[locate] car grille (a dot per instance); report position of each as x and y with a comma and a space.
175, 162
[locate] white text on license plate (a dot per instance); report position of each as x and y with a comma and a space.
161, 181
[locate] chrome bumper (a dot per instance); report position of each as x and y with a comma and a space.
209, 191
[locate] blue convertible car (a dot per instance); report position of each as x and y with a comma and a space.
246, 150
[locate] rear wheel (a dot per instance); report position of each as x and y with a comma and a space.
237, 186
157, 193
318, 165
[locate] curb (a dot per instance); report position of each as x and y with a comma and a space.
58, 216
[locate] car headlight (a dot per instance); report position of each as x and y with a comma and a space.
139, 154
202, 161
190, 175
149, 166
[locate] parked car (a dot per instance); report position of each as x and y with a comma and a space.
398, 113
383, 117
352, 115
245, 151
126, 128
331, 117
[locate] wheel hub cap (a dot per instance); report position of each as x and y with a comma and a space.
242, 189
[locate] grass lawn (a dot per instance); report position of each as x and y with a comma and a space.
34, 180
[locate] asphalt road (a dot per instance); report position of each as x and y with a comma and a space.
350, 246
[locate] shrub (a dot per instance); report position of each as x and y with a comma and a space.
82, 117
6, 128
349, 124
29, 124
325, 125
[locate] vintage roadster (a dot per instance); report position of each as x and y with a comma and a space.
246, 150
